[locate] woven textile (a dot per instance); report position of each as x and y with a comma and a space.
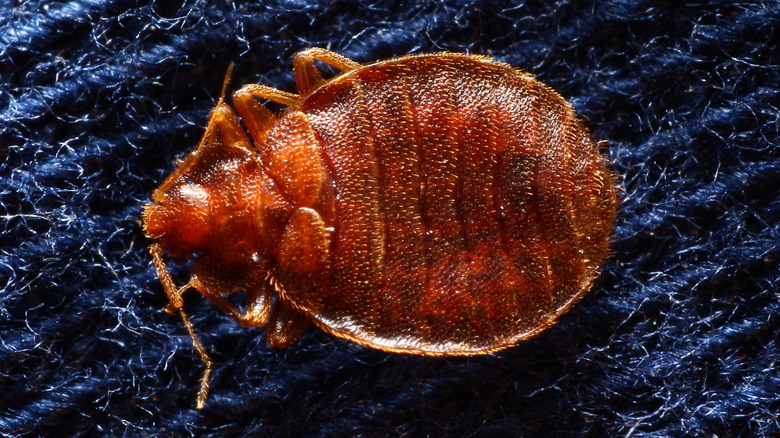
679, 337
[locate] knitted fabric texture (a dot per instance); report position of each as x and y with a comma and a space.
679, 337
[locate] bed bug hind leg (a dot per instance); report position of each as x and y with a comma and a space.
308, 77
287, 324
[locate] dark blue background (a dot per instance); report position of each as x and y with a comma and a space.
678, 338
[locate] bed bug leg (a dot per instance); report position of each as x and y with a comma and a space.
256, 117
307, 77
258, 303
286, 326
258, 306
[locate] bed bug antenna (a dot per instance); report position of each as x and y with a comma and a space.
226, 81
176, 305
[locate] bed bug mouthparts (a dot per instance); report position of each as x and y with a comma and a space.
435, 204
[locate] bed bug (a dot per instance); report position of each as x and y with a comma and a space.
435, 204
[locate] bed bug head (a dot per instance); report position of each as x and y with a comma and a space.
181, 219
218, 203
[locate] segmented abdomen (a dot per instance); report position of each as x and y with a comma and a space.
471, 205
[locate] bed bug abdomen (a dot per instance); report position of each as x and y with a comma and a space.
472, 205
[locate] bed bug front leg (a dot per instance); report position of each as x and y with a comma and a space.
307, 77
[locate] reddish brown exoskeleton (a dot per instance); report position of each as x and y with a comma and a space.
437, 204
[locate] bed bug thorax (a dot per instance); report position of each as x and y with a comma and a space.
436, 204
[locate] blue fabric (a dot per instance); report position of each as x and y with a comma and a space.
678, 338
